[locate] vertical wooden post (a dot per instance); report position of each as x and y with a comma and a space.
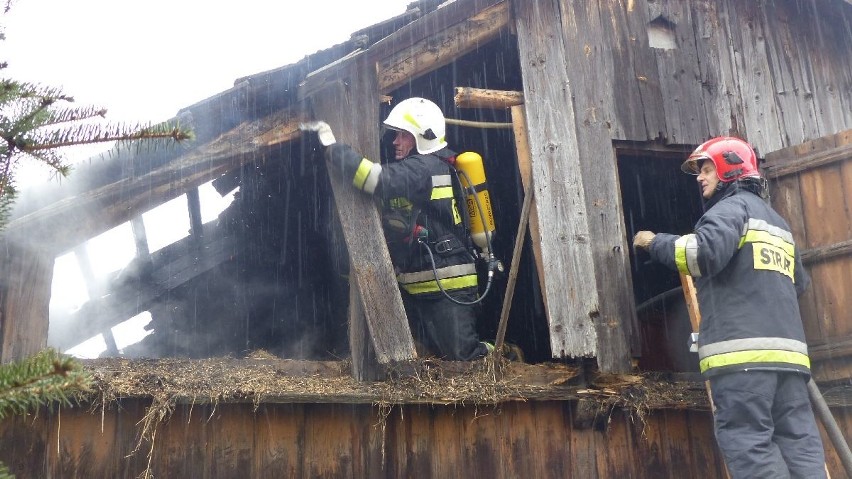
25, 280
522, 147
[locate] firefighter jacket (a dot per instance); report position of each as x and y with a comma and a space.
418, 206
748, 274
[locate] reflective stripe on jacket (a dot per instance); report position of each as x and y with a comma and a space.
418, 188
748, 274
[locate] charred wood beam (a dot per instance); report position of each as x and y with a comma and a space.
442, 47
62, 225
467, 97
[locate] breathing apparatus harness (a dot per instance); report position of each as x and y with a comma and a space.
478, 234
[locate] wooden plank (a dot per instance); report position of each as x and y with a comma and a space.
585, 43
522, 149
814, 160
786, 199
796, 112
363, 354
66, 223
827, 39
442, 47
679, 75
637, 100
567, 253
584, 448
828, 222
352, 112
747, 38
280, 440
25, 281
719, 89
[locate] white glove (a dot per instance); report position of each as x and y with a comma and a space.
321, 129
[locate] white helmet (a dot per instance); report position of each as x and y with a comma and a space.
423, 119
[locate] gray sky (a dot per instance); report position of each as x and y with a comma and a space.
146, 60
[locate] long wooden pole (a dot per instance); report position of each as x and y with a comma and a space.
695, 319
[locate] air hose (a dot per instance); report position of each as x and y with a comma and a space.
492, 262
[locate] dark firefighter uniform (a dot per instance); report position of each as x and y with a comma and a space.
418, 205
751, 343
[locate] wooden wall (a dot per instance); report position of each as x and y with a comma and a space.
776, 72
518, 439
811, 186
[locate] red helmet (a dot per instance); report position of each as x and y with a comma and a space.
733, 158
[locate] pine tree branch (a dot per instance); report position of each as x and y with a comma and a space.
44, 379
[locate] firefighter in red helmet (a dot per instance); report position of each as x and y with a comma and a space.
751, 343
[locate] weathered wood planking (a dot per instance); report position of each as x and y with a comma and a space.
795, 114
718, 82
636, 85
519, 439
588, 70
573, 305
351, 109
25, 280
817, 201
747, 34
683, 101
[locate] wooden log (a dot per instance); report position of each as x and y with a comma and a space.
442, 47
569, 269
351, 109
66, 223
467, 97
824, 253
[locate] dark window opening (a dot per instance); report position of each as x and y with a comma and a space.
658, 196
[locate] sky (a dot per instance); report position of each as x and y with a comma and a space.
146, 60
143, 62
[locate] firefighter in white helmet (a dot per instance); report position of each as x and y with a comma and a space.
422, 225
751, 344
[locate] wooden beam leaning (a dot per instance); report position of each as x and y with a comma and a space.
66, 223
442, 47
572, 295
351, 109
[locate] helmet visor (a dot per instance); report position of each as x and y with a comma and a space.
692, 165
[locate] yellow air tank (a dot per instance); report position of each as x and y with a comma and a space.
474, 170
